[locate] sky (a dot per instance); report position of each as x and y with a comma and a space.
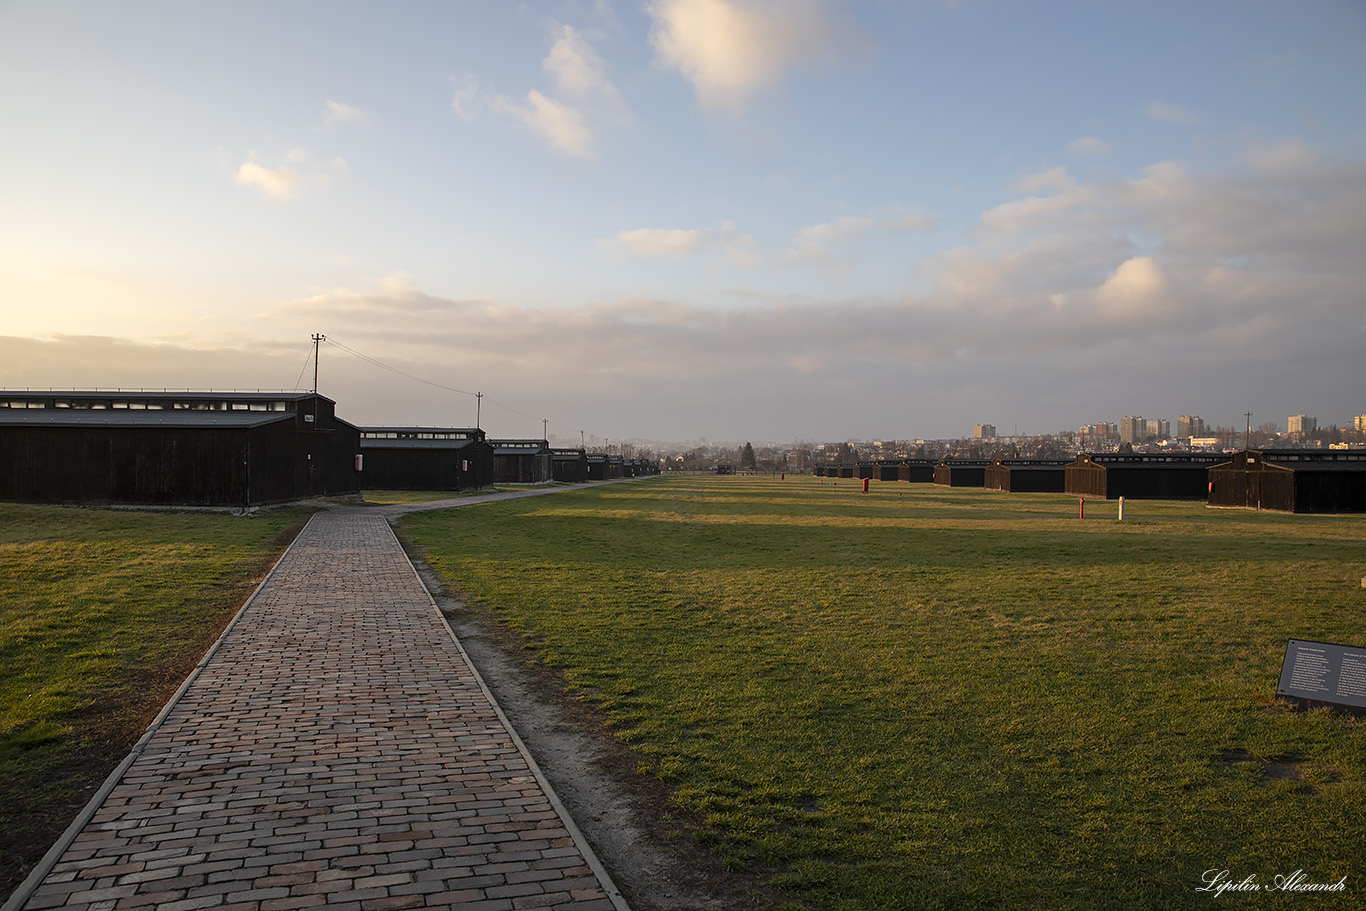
766, 220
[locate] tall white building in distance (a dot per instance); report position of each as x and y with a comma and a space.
1302, 424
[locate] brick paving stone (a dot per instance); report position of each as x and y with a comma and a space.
335, 750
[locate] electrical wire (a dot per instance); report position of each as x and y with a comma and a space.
406, 375
302, 369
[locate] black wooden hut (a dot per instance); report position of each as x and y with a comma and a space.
1026, 475
961, 472
569, 466
174, 448
522, 462
1142, 476
640, 468
917, 471
887, 469
425, 458
1319, 481
598, 467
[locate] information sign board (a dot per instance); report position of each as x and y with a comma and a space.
1324, 673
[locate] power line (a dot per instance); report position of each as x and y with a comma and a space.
403, 373
406, 375
301, 371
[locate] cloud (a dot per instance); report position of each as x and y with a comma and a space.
577, 69
1056, 179
466, 98
338, 113
731, 50
1090, 147
1200, 291
562, 124
578, 72
1137, 288
829, 244
736, 247
287, 181
277, 183
1171, 113
1169, 260
661, 242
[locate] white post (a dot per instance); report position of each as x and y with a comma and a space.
1121, 509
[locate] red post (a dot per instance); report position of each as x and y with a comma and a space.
865, 485
1081, 509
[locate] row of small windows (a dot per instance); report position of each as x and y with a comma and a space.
413, 435
133, 405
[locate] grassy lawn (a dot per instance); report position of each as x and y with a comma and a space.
390, 497
102, 615
931, 698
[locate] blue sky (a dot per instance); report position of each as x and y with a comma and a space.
694, 218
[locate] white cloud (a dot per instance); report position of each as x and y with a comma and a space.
1171, 113
277, 183
1057, 179
338, 113
741, 249
1027, 214
1137, 288
578, 72
1090, 146
1207, 292
732, 50
828, 244
562, 124
661, 242
1283, 156
465, 96
287, 181
737, 248
576, 67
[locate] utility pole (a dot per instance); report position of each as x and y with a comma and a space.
316, 339
478, 405
1247, 436
581, 446
545, 423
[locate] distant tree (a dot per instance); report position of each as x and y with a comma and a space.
1264, 435
747, 457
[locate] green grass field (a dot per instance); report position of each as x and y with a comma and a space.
102, 615
931, 698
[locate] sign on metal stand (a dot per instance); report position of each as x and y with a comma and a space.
1324, 673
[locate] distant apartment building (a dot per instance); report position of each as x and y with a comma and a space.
1159, 429
1188, 426
983, 431
1301, 424
1132, 429
1359, 423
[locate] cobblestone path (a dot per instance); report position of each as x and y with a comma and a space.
335, 750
